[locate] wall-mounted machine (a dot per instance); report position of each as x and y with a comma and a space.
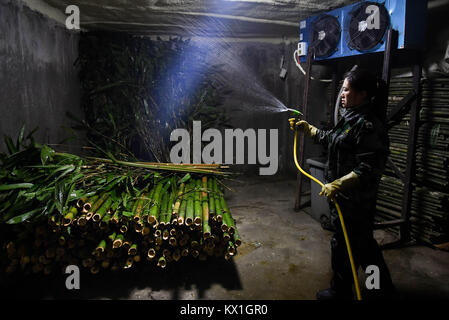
361, 28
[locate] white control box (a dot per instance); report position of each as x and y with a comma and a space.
302, 49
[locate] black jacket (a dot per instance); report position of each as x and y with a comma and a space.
359, 142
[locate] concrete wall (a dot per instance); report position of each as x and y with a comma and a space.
38, 79
252, 71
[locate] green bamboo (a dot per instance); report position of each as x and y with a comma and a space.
88, 205
211, 198
68, 218
177, 205
197, 205
103, 209
101, 247
148, 203
153, 215
164, 210
205, 207
132, 251
237, 240
190, 205
182, 211
112, 236
98, 203
118, 241
218, 210
80, 202
162, 262
139, 207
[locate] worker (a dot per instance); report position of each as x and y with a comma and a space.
358, 148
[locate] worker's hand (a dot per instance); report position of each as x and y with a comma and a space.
342, 184
292, 122
303, 126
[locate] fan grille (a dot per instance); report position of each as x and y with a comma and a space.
326, 34
366, 35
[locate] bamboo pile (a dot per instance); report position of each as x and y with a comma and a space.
430, 198
112, 215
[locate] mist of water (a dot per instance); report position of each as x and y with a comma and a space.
245, 89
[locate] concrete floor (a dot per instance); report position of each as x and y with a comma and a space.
285, 255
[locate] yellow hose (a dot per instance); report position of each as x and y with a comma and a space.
348, 246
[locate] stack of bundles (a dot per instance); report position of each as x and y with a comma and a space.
430, 198
58, 209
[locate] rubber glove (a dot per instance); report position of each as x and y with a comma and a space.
339, 185
303, 126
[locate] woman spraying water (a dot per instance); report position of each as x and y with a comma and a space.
358, 147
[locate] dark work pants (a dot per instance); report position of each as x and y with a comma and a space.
365, 251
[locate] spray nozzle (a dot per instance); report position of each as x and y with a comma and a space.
299, 113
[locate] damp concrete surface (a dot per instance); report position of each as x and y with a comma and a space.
285, 255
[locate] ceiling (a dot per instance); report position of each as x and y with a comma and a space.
201, 18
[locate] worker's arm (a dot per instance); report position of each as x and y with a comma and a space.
371, 151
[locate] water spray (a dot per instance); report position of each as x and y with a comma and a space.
299, 113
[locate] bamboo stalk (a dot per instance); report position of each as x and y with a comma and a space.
68, 218
190, 205
198, 209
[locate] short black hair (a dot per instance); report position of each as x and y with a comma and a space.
362, 80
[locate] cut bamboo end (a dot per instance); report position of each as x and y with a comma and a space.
195, 253
189, 221
176, 255
231, 250
89, 215
206, 235
172, 241
219, 218
180, 221
129, 263
96, 217
126, 245
166, 253
80, 203
162, 262
115, 220
82, 220
198, 221
66, 222
185, 252
174, 221
117, 243
151, 253
132, 251
238, 242
87, 206
165, 235
138, 227
95, 270
124, 229
224, 228
151, 219
146, 231
173, 232
157, 233
227, 256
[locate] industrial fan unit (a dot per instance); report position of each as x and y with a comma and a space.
362, 27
